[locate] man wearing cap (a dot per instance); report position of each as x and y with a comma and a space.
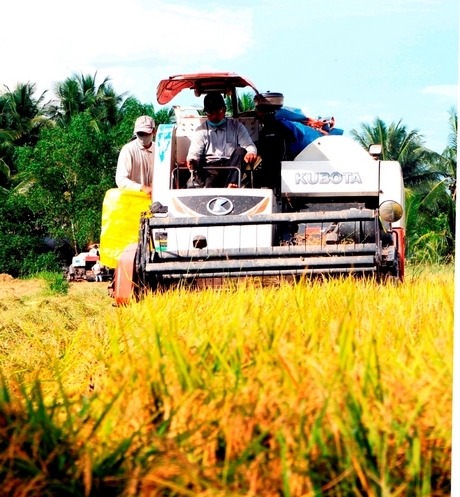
220, 142
135, 162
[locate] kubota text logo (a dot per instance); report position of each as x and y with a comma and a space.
325, 178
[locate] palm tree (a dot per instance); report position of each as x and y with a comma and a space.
164, 116
430, 180
80, 93
437, 200
400, 145
6, 173
5, 153
22, 116
245, 103
450, 154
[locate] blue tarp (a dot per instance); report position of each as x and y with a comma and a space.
302, 134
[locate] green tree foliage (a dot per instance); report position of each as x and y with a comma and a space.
430, 180
22, 116
22, 239
68, 173
436, 200
245, 103
129, 112
449, 156
5, 174
81, 93
164, 116
398, 144
57, 160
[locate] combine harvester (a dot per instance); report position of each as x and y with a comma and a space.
317, 203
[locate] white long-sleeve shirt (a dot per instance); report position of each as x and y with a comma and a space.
135, 166
213, 144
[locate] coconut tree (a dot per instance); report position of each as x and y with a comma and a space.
245, 102
399, 144
430, 180
6, 147
444, 166
164, 116
437, 197
5, 174
80, 93
449, 156
22, 116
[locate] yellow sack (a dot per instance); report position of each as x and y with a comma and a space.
121, 212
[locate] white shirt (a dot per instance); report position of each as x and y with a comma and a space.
135, 166
213, 144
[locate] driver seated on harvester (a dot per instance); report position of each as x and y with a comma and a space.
219, 141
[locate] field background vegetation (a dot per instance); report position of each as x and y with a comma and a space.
58, 157
334, 388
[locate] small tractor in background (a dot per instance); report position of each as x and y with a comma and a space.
317, 203
81, 268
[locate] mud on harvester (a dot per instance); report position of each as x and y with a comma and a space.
316, 203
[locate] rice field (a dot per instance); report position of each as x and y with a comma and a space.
320, 388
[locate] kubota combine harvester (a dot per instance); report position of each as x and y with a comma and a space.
316, 203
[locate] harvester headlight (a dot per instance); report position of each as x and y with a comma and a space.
375, 150
390, 211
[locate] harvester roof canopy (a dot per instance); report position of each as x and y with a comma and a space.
223, 82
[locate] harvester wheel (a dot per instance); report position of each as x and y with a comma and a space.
393, 277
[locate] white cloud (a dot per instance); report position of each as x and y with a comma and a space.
55, 39
450, 91
165, 30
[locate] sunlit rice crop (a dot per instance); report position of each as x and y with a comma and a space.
337, 387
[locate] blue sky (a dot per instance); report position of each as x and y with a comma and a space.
351, 59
